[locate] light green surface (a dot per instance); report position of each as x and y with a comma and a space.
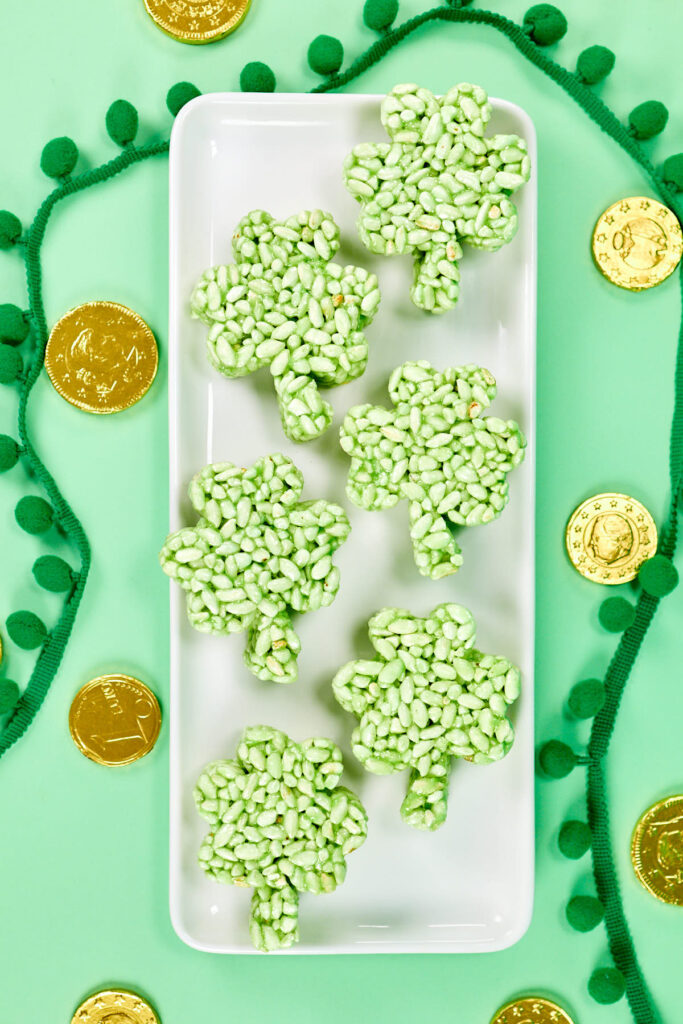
83, 897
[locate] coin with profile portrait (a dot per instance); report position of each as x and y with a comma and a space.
609, 536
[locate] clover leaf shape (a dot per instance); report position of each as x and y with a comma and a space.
430, 695
281, 824
283, 304
256, 553
439, 182
438, 451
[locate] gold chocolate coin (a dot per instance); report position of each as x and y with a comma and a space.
114, 720
114, 1006
197, 21
101, 357
637, 243
531, 1010
609, 536
657, 850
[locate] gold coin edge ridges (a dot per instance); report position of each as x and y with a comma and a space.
84, 749
56, 382
599, 497
636, 860
197, 38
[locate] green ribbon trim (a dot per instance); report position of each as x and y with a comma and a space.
618, 672
52, 652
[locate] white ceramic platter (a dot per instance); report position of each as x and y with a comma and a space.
469, 886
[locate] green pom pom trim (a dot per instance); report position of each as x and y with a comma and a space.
9, 695
648, 119
59, 157
545, 24
379, 15
584, 913
9, 453
13, 324
257, 77
586, 698
33, 514
10, 364
672, 171
122, 122
556, 759
26, 630
616, 614
10, 229
325, 55
574, 839
594, 64
658, 577
52, 573
180, 94
607, 985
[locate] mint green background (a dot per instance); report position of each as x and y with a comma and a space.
83, 890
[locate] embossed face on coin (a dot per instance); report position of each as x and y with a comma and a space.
657, 850
637, 243
531, 1010
197, 21
101, 357
114, 720
609, 536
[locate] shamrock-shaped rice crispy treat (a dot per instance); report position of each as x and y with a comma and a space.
283, 304
256, 554
281, 824
428, 696
438, 451
439, 182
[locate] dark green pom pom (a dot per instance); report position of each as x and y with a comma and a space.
545, 24
9, 453
594, 64
556, 759
648, 119
257, 77
13, 324
325, 55
122, 122
180, 94
584, 913
59, 157
672, 171
34, 514
26, 630
52, 573
586, 698
9, 695
10, 229
616, 614
574, 839
658, 577
380, 14
607, 985
10, 364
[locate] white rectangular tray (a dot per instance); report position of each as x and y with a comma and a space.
469, 886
